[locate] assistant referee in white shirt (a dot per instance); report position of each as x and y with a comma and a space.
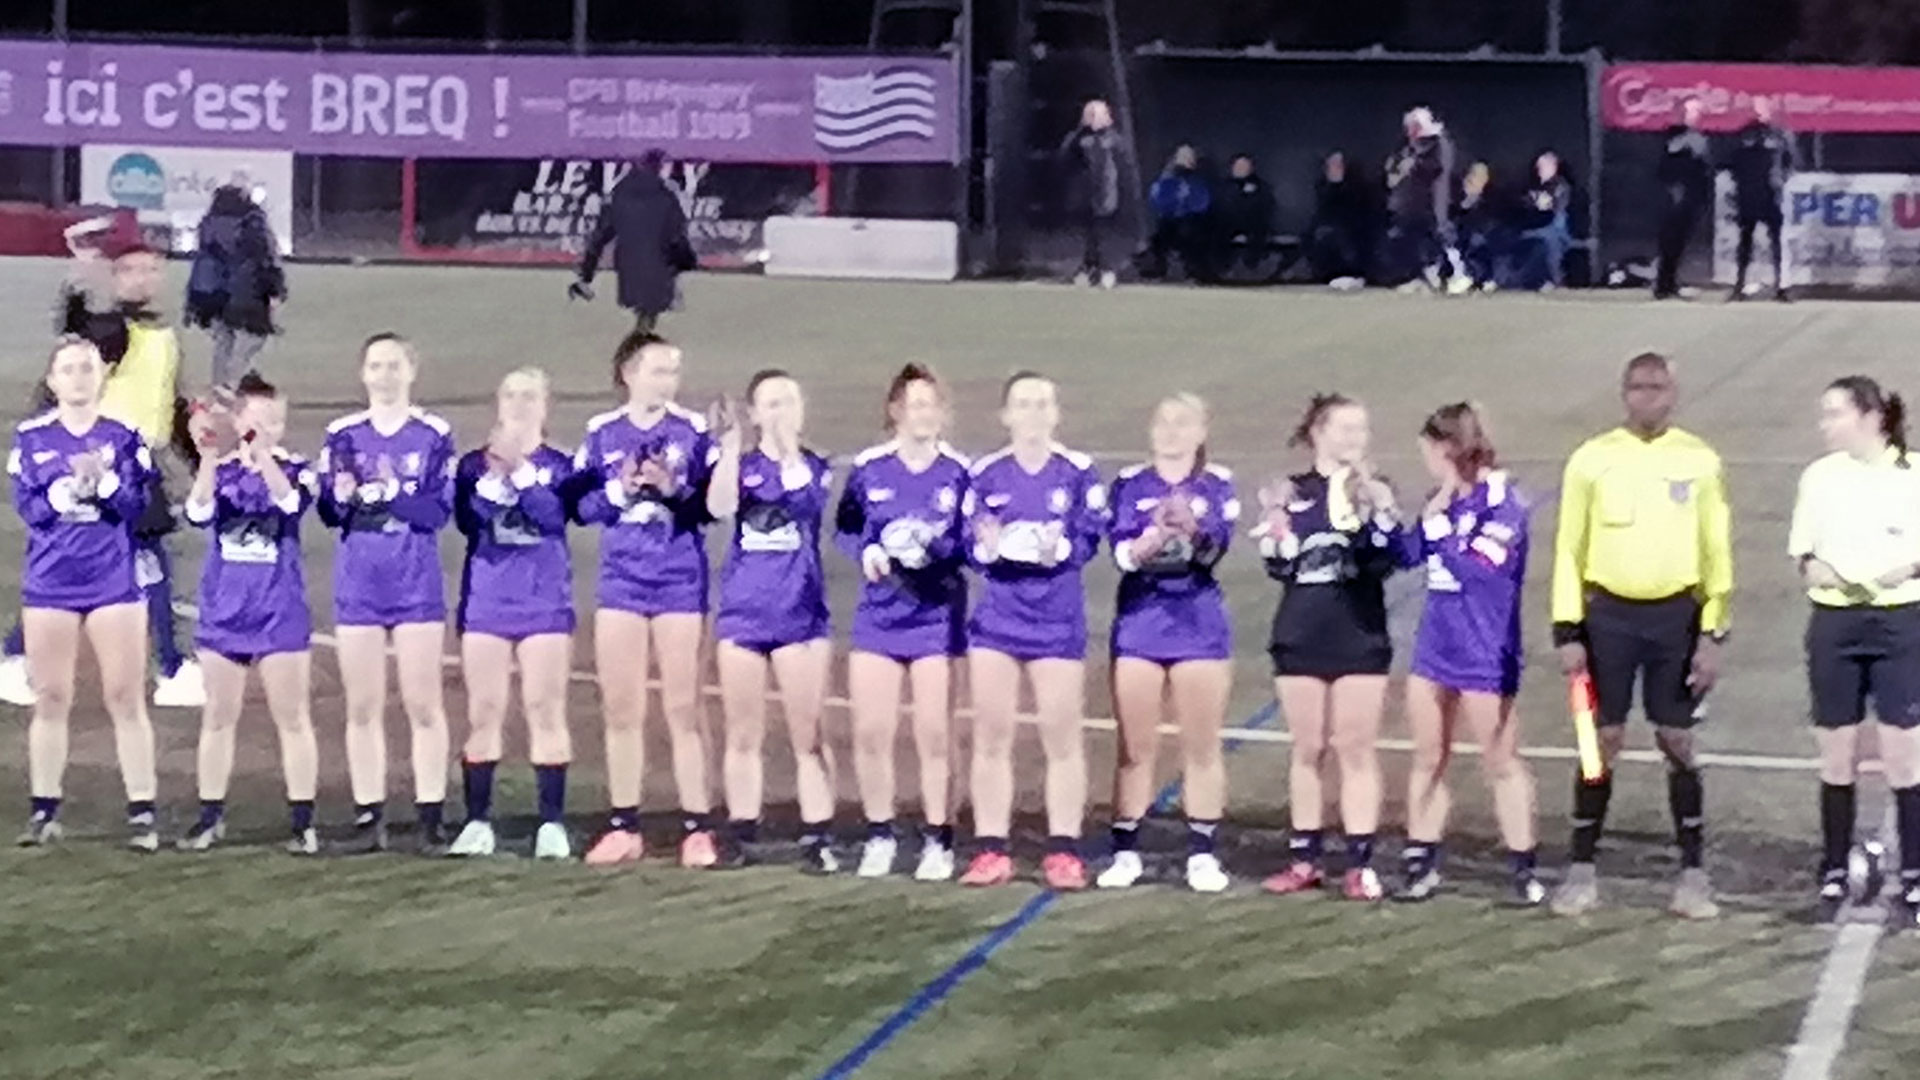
1856, 536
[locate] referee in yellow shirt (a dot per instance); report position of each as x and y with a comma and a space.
1642, 569
1856, 537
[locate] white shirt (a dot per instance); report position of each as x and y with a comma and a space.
1863, 519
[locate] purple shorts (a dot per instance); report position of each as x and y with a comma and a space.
1503, 684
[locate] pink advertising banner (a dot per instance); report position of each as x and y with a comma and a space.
1647, 97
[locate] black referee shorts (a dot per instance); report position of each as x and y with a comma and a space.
1649, 641
1857, 652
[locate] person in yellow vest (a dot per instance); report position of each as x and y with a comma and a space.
142, 391
1643, 567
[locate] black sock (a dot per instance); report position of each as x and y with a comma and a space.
45, 807
1837, 811
744, 830
624, 819
211, 811
1420, 858
1359, 851
477, 777
367, 815
1687, 798
300, 815
1521, 863
1201, 833
1305, 845
1126, 835
430, 815
942, 835
1589, 815
691, 822
1906, 803
815, 834
991, 845
1063, 845
880, 830
140, 811
550, 785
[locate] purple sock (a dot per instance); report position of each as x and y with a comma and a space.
478, 776
551, 781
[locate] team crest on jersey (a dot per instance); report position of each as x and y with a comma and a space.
44, 456
1057, 500
752, 480
1679, 491
674, 454
995, 502
879, 495
1199, 506
944, 499
411, 463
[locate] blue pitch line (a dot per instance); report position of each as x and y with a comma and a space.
1163, 803
942, 985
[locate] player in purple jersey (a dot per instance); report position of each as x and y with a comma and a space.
1332, 536
1172, 520
386, 483
773, 611
80, 482
1035, 512
512, 499
645, 468
899, 518
1467, 654
250, 494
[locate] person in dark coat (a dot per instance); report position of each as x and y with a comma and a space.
1340, 241
1091, 156
1246, 216
1686, 190
1762, 162
1420, 178
643, 221
235, 282
1545, 230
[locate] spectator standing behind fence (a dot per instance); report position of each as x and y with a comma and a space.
1761, 164
1420, 198
1091, 153
1182, 205
643, 221
1245, 216
1341, 241
235, 282
1545, 235
1686, 185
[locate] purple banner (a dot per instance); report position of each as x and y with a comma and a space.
745, 109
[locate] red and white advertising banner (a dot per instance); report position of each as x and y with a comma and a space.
1647, 97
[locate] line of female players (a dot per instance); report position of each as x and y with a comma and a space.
914, 515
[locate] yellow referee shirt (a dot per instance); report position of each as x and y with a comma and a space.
1644, 519
1863, 519
141, 387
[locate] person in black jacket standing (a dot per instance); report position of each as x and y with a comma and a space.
1761, 164
1686, 183
1091, 154
643, 221
235, 282
1420, 180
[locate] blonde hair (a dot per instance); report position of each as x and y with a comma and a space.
537, 374
1186, 399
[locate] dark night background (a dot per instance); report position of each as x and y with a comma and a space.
1864, 31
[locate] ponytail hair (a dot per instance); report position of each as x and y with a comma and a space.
1317, 410
1463, 431
1867, 396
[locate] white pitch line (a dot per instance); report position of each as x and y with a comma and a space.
1757, 762
1823, 1032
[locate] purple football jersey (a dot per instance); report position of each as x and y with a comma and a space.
1028, 609
1171, 609
517, 580
253, 588
387, 571
773, 590
79, 542
1476, 559
653, 555
919, 608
